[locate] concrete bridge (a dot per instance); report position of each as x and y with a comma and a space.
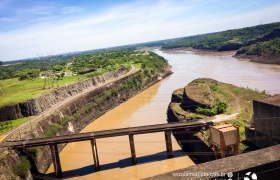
92, 136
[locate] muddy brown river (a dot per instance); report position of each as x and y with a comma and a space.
149, 107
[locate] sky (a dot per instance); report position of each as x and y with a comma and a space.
48, 27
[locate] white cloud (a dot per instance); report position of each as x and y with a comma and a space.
125, 24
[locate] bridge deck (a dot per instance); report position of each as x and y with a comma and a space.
99, 134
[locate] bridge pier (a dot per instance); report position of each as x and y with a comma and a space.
132, 148
95, 154
168, 142
56, 160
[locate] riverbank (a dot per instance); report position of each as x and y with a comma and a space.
259, 59
242, 57
83, 111
145, 108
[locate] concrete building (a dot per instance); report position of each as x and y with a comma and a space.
266, 122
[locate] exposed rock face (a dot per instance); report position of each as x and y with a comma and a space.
267, 56
230, 47
42, 159
6, 173
189, 98
177, 96
197, 95
34, 106
274, 34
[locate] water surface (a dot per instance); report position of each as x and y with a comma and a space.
149, 107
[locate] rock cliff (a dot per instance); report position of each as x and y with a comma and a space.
83, 110
184, 101
37, 105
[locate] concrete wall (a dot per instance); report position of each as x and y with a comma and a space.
265, 163
266, 119
259, 139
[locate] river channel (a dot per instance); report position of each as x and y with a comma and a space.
149, 107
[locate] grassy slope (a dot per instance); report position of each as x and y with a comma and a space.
6, 126
246, 97
19, 91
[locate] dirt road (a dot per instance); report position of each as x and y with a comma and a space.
224, 117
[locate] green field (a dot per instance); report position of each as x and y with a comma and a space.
19, 91
8, 125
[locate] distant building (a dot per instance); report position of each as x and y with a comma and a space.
266, 122
1, 63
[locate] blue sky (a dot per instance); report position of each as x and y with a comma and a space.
30, 27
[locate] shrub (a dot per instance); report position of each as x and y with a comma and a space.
218, 109
22, 167
32, 151
52, 130
221, 107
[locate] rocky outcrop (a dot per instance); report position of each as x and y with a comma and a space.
189, 140
177, 96
262, 50
197, 95
274, 34
235, 46
188, 99
37, 105
184, 101
230, 47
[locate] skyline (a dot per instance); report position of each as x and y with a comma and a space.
30, 27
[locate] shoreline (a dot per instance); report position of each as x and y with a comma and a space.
258, 59
201, 51
250, 58
164, 75
42, 161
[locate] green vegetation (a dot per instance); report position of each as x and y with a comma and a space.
22, 168
15, 90
133, 82
241, 123
32, 151
20, 91
230, 93
52, 130
7, 125
213, 41
269, 48
219, 108
229, 99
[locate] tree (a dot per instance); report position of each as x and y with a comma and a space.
23, 76
57, 68
22, 167
1, 63
1, 89
33, 73
62, 75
